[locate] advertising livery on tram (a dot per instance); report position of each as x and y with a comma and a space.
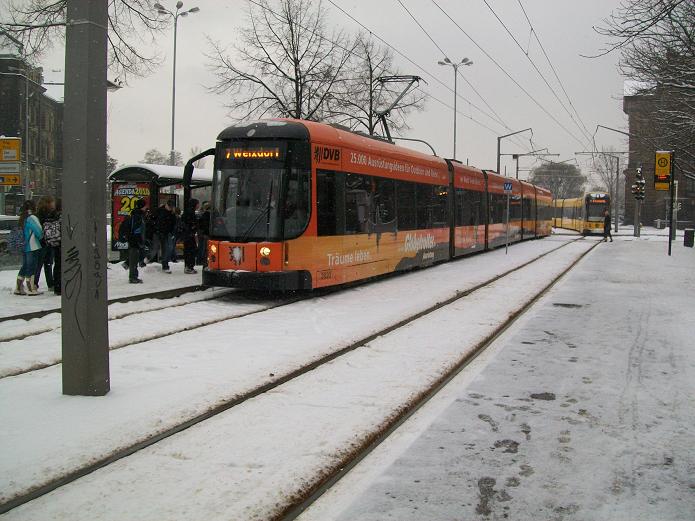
301, 205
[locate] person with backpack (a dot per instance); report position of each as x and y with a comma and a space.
136, 239
178, 234
52, 238
44, 208
33, 233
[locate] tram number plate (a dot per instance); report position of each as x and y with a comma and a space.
325, 274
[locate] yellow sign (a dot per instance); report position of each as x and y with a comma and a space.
662, 170
10, 148
9, 180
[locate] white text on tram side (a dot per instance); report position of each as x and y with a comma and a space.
353, 257
416, 243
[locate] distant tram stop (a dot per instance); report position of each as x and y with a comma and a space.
155, 184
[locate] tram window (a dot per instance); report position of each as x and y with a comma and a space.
407, 217
474, 203
297, 202
460, 217
326, 207
384, 200
440, 199
358, 203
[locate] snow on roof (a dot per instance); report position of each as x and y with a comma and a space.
166, 171
632, 87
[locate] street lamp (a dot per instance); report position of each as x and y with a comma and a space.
175, 15
447, 62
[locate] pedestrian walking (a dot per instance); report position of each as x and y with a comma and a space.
52, 237
190, 229
607, 227
164, 227
178, 234
203, 234
136, 240
32, 234
44, 209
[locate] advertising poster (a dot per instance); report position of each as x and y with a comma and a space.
125, 194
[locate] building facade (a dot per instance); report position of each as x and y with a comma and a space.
643, 144
27, 112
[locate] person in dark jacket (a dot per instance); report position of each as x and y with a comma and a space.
203, 234
52, 236
136, 240
44, 209
190, 228
164, 227
607, 227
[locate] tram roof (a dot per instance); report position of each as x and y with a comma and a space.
163, 175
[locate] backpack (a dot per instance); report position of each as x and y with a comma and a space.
51, 232
124, 230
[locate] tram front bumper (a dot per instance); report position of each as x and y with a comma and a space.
266, 281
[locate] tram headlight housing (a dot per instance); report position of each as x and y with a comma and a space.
265, 251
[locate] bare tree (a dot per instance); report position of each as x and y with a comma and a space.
656, 39
284, 64
605, 165
358, 100
563, 180
132, 27
194, 152
155, 157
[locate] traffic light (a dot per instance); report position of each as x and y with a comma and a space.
638, 189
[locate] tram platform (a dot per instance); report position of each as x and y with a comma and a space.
584, 409
162, 285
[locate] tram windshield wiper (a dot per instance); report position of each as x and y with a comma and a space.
261, 213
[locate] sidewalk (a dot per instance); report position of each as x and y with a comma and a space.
154, 280
584, 410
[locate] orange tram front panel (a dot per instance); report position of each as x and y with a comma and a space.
354, 232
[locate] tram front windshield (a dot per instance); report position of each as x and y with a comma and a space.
261, 191
595, 209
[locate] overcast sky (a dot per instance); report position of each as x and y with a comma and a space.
140, 114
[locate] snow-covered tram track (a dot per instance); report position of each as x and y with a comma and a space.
23, 352
276, 382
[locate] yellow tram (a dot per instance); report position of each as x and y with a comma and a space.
582, 214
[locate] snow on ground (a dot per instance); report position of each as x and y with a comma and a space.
248, 462
161, 383
40, 350
118, 287
576, 413
19, 327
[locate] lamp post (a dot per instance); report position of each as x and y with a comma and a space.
448, 62
175, 15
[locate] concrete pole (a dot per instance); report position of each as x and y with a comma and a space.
173, 94
455, 96
84, 316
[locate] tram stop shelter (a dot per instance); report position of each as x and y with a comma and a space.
155, 184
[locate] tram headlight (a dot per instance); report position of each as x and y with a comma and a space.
213, 249
265, 251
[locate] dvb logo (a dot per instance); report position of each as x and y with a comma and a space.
326, 154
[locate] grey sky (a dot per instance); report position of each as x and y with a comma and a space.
139, 115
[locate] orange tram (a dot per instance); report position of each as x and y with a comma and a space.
303, 205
